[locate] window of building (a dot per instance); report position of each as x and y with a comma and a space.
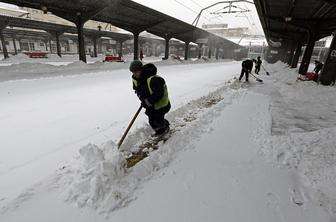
32, 46
24, 46
66, 47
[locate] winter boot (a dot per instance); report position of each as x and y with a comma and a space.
163, 130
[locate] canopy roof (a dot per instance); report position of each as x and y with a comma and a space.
127, 15
296, 19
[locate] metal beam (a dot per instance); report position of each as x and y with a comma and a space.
195, 22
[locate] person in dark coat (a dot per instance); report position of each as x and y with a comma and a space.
318, 66
247, 66
141, 55
257, 65
152, 91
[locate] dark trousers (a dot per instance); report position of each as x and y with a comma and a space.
246, 72
257, 69
156, 117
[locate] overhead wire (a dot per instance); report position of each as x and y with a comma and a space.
190, 9
248, 17
205, 11
255, 26
196, 3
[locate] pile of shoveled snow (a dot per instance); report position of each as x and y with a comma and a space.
98, 181
101, 181
302, 135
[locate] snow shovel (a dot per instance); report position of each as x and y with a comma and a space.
129, 126
259, 80
267, 73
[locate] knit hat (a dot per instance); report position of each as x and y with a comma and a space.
136, 65
150, 69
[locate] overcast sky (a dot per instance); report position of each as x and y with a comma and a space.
187, 10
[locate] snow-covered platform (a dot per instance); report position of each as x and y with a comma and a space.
261, 152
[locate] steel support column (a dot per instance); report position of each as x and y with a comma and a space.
291, 53
100, 47
2, 38
167, 47
50, 46
136, 45
209, 52
94, 40
81, 46
186, 50
328, 74
14, 44
217, 53
4, 47
307, 54
58, 45
120, 53
3, 44
20, 44
200, 51
46, 44
296, 55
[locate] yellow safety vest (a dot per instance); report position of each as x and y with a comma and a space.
164, 101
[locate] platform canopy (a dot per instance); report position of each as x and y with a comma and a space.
124, 14
58, 28
296, 20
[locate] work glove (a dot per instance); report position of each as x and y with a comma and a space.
145, 103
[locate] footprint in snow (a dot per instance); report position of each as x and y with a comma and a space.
297, 197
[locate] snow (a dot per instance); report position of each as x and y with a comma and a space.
239, 152
56, 116
303, 133
10, 7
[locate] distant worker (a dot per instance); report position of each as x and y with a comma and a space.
153, 94
247, 66
257, 65
318, 66
141, 55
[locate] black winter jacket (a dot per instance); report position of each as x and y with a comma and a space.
156, 84
258, 63
247, 64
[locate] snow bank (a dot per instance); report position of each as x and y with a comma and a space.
97, 184
22, 67
19, 58
302, 132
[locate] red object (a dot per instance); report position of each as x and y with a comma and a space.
110, 58
37, 54
312, 76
